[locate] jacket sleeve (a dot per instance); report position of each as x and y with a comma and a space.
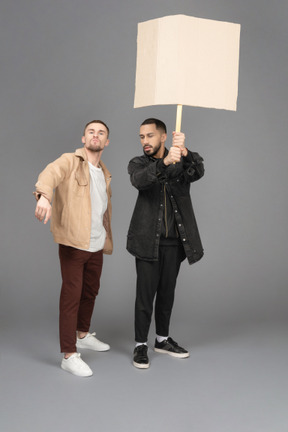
52, 176
190, 168
193, 167
143, 176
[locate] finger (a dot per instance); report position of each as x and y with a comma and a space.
39, 217
179, 144
177, 151
176, 158
40, 213
48, 214
37, 213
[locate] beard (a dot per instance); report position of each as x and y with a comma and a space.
95, 149
152, 150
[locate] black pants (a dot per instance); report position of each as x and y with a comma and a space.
156, 277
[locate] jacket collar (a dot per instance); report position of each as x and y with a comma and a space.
81, 153
155, 159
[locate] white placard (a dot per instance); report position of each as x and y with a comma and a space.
188, 61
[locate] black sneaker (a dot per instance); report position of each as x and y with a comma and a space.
169, 346
140, 357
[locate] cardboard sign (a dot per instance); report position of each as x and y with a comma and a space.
187, 61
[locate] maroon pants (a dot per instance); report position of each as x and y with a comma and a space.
81, 271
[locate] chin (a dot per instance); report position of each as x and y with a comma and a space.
95, 149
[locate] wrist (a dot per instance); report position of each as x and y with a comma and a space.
185, 152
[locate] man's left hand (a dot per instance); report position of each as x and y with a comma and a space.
178, 140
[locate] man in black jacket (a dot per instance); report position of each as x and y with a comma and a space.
162, 232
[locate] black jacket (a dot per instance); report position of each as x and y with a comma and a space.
153, 180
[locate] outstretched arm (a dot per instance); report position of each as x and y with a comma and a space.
143, 175
48, 180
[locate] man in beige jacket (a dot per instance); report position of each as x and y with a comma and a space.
81, 225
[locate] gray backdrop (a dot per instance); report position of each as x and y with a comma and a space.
66, 62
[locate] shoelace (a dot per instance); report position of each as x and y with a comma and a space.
76, 355
92, 334
142, 350
172, 342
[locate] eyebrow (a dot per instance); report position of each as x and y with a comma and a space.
93, 130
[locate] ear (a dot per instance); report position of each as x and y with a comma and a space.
107, 142
163, 137
83, 139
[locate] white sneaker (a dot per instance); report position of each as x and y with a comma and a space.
91, 342
75, 365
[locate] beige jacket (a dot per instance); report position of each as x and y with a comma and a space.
71, 208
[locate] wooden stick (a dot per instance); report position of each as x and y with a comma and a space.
178, 118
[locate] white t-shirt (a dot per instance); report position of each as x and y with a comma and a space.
99, 201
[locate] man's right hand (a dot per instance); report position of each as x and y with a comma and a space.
43, 209
173, 156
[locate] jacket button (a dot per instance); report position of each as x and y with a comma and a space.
180, 225
176, 211
184, 239
171, 196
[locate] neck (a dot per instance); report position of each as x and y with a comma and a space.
93, 157
160, 153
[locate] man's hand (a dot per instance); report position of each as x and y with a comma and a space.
177, 150
179, 141
43, 209
173, 156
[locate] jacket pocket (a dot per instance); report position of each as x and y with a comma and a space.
81, 182
63, 217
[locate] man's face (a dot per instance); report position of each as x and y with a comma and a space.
152, 140
95, 137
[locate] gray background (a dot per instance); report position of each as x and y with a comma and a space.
64, 63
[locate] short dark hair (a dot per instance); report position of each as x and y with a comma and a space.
158, 123
97, 121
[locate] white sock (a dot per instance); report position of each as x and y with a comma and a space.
140, 343
161, 338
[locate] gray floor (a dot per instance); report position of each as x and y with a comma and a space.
234, 381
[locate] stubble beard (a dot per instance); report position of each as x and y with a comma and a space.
154, 151
94, 149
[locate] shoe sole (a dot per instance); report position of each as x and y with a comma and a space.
75, 374
172, 354
141, 365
